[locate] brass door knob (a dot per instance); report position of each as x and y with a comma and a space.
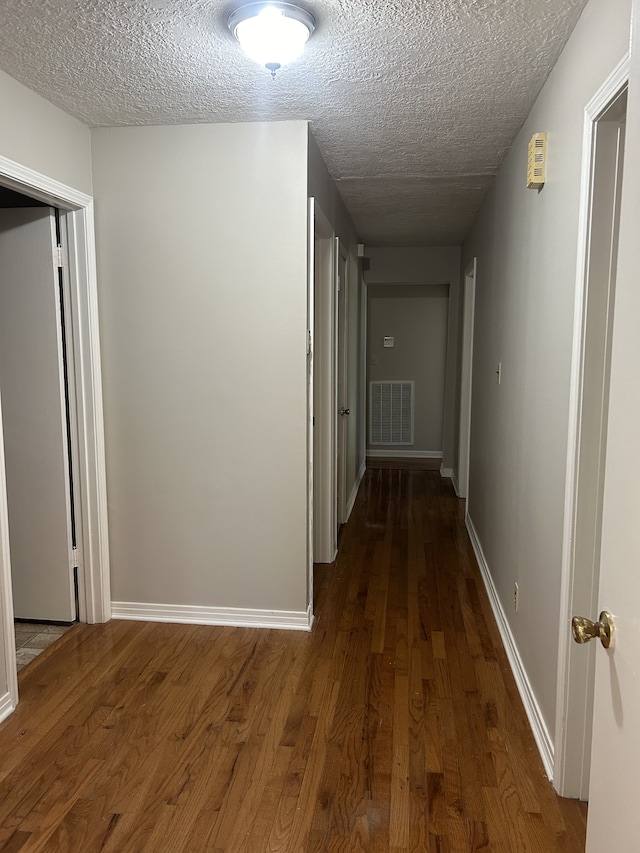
584, 629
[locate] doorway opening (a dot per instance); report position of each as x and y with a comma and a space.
605, 123
466, 378
342, 356
325, 390
87, 592
37, 416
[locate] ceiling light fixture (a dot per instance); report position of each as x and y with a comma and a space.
272, 34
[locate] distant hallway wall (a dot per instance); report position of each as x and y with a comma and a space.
415, 316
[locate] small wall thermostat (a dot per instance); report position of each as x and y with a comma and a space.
388, 341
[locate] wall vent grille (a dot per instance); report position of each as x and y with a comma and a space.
391, 412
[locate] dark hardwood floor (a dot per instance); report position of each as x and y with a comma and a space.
394, 726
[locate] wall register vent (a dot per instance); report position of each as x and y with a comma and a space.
391, 412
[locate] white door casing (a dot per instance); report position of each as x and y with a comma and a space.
310, 397
595, 288
34, 411
91, 507
469, 297
614, 816
342, 356
324, 392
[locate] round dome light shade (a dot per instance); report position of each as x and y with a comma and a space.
272, 34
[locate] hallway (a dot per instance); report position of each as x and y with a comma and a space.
394, 726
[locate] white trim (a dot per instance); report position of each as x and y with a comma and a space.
531, 707
92, 504
6, 592
451, 368
447, 473
7, 706
603, 97
355, 489
95, 604
25, 180
195, 615
362, 367
342, 378
405, 454
310, 399
455, 483
466, 379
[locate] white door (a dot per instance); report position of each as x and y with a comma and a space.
34, 417
343, 392
325, 399
466, 379
614, 789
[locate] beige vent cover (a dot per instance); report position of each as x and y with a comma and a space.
537, 162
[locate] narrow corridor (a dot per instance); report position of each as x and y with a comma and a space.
394, 726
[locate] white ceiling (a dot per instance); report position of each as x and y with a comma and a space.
413, 103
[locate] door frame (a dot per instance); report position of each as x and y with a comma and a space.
461, 482
325, 527
310, 399
91, 503
342, 389
42, 570
575, 677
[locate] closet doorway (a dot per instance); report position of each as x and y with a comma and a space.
36, 411
86, 592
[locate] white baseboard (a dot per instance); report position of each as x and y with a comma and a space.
194, 615
6, 706
354, 490
455, 483
446, 472
405, 454
536, 720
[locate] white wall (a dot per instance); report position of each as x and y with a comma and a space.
526, 245
202, 270
416, 317
323, 189
37, 135
413, 265
428, 265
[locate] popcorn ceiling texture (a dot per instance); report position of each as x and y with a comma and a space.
414, 103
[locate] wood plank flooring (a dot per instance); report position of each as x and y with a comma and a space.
394, 726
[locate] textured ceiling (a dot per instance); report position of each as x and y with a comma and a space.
413, 103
